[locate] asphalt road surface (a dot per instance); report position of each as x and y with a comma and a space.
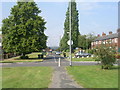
50, 60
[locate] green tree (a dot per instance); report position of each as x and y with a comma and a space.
74, 27
106, 55
84, 41
23, 30
89, 38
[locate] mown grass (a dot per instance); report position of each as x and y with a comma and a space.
33, 57
15, 61
84, 59
94, 76
26, 77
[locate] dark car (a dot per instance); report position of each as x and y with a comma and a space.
78, 55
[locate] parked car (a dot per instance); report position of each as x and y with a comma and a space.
78, 55
58, 53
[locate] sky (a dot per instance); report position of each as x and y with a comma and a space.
94, 17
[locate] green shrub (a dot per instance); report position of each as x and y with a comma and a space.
96, 58
117, 56
106, 56
91, 51
24, 57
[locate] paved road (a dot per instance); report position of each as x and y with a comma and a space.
50, 60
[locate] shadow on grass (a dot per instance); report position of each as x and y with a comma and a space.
115, 67
6, 62
28, 59
24, 89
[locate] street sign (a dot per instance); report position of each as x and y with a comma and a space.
68, 42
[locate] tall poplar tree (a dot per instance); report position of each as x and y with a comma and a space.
23, 30
74, 27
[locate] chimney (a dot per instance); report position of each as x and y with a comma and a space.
98, 35
118, 30
110, 32
103, 34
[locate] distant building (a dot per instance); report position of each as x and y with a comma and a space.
111, 40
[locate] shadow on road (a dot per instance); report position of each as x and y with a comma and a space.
54, 57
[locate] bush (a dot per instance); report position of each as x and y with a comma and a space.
117, 56
96, 58
24, 57
106, 56
91, 51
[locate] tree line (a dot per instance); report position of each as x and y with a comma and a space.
23, 30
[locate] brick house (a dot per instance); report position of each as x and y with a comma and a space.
111, 40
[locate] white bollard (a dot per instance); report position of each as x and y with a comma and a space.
55, 59
59, 63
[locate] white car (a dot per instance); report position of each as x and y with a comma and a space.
57, 53
82, 54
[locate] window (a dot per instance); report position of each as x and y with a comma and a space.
116, 40
103, 42
96, 42
92, 43
110, 40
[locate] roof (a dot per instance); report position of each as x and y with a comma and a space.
115, 35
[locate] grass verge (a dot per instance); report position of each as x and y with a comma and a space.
33, 57
15, 61
84, 59
94, 76
26, 77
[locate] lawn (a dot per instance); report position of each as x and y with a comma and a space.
33, 57
94, 76
15, 61
84, 59
26, 77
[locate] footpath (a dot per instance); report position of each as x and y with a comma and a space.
61, 79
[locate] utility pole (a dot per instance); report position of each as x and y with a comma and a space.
70, 33
59, 44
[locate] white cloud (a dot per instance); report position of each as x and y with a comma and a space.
87, 6
65, 0
0, 26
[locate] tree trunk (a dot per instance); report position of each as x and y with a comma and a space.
102, 67
23, 54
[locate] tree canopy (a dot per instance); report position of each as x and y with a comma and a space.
74, 27
84, 41
23, 30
